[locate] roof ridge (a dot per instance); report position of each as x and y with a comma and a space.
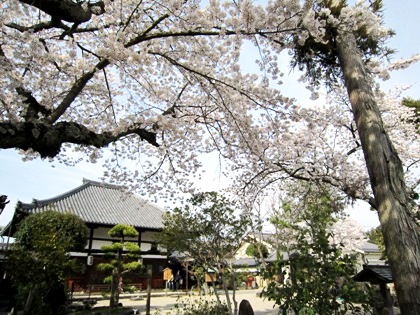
103, 184
85, 183
100, 203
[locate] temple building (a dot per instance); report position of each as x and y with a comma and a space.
101, 206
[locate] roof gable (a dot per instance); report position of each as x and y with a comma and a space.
375, 274
103, 204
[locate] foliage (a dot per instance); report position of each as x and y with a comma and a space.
199, 274
375, 236
36, 306
124, 256
415, 104
253, 251
39, 259
201, 307
206, 230
320, 279
322, 62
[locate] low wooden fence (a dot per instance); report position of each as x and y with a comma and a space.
101, 287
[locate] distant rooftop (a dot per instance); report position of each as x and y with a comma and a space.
102, 204
370, 247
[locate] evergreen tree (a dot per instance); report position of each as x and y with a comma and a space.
376, 237
124, 256
40, 261
415, 104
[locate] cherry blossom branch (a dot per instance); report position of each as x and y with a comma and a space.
34, 108
268, 176
68, 31
75, 90
209, 78
68, 10
47, 139
38, 27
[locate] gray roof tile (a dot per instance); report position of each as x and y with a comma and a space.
375, 274
104, 204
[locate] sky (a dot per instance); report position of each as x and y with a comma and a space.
39, 179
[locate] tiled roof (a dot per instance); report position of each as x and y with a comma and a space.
370, 248
244, 262
250, 261
102, 204
375, 274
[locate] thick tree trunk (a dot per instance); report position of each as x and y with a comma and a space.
400, 231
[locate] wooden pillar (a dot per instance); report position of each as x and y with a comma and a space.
383, 301
90, 244
139, 239
149, 290
388, 304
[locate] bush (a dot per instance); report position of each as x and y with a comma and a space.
202, 307
130, 289
89, 303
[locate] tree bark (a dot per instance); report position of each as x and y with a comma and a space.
68, 10
113, 303
29, 300
47, 139
394, 205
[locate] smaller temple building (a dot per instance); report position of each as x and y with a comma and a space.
380, 275
101, 206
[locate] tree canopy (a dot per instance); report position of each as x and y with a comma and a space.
43, 241
376, 237
40, 260
206, 229
320, 267
253, 250
209, 230
415, 104
166, 75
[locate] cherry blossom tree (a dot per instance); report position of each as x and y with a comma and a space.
348, 233
340, 45
146, 86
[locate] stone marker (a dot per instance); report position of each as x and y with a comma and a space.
245, 308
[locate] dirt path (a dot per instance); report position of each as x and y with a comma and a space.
167, 304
